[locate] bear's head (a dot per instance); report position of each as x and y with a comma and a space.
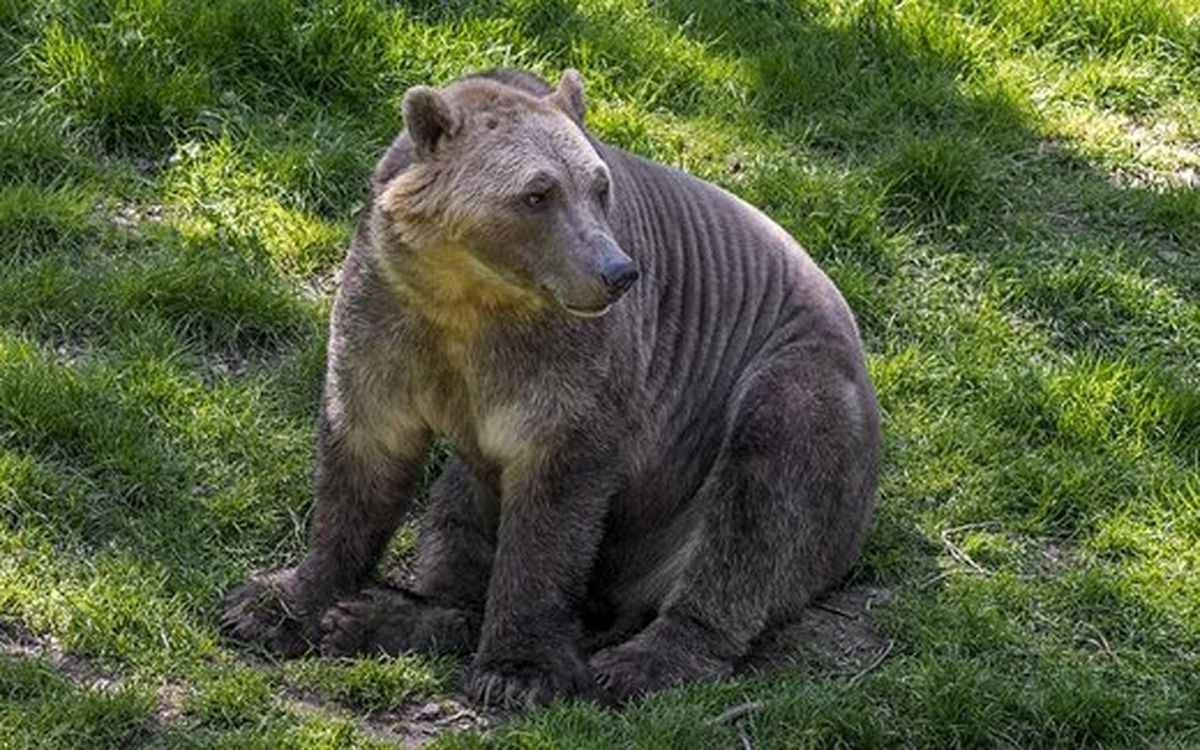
501, 202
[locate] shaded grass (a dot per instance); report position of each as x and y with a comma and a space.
999, 187
39, 708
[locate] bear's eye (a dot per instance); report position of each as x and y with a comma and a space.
537, 198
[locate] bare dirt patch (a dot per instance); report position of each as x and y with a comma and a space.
408, 724
235, 363
1050, 558
18, 642
838, 634
70, 352
412, 725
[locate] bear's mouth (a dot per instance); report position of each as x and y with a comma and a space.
588, 312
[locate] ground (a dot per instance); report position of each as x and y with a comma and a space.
1005, 190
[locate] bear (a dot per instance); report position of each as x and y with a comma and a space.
663, 439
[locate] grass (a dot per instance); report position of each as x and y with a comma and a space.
1005, 190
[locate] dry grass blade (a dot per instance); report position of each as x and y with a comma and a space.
735, 713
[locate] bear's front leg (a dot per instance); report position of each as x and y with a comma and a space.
363, 485
552, 511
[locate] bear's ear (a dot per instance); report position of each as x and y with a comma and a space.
428, 119
569, 96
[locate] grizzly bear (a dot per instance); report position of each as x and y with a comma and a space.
663, 436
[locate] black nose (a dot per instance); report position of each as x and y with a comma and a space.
619, 275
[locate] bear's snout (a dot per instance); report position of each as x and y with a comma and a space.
616, 269
619, 275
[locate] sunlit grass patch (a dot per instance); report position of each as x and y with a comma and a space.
230, 698
122, 87
373, 685
638, 56
225, 199
1104, 26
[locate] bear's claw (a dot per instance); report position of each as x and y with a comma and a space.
511, 684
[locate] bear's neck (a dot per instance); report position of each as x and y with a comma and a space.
453, 291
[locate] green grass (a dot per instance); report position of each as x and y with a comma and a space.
1007, 191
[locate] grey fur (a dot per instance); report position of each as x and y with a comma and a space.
705, 454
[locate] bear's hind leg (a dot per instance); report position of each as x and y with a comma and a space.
785, 511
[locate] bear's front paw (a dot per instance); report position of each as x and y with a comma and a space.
390, 620
525, 683
353, 626
266, 610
